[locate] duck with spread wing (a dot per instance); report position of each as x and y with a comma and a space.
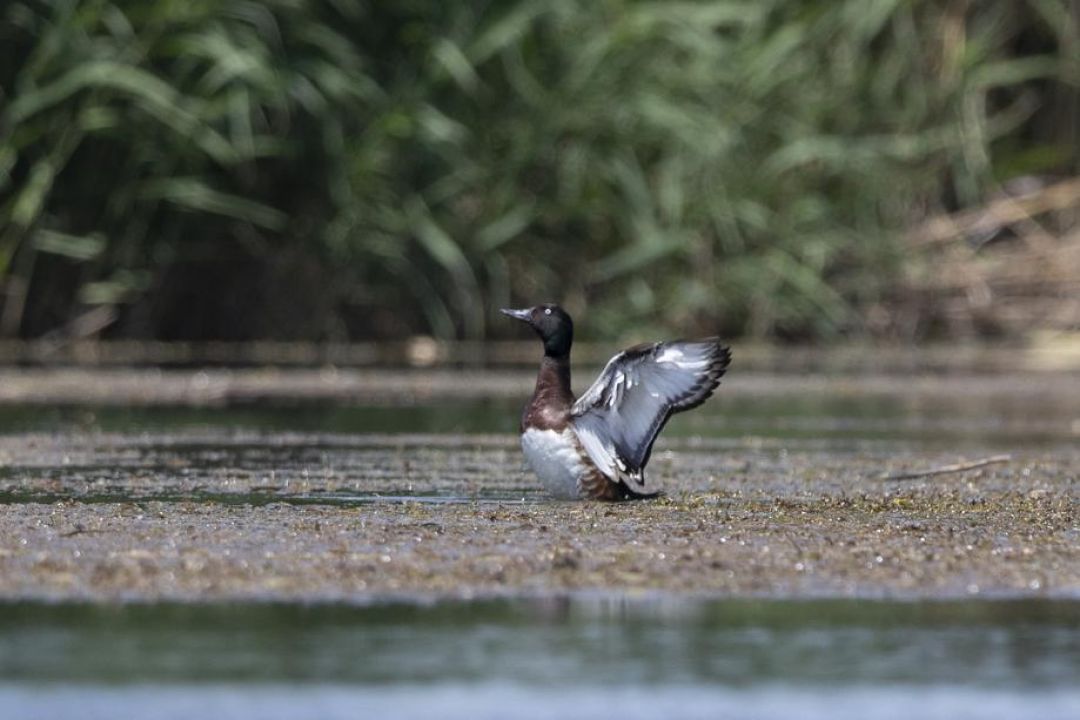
596, 447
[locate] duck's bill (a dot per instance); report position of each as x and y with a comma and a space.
524, 315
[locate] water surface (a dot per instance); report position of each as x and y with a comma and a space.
582, 657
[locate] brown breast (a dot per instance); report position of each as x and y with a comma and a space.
549, 408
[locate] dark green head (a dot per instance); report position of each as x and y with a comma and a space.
551, 323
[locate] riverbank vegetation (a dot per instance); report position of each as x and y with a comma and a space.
336, 170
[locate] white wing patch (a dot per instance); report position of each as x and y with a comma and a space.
618, 418
670, 353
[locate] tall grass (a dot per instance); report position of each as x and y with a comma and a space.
335, 169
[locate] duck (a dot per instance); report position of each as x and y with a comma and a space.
596, 447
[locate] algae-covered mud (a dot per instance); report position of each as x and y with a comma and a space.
767, 495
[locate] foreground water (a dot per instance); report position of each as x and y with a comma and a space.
286, 530
586, 657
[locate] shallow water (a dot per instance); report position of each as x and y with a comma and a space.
523, 700
582, 657
836, 414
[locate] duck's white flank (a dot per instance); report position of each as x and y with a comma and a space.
555, 457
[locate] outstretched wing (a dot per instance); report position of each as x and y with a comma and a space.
619, 417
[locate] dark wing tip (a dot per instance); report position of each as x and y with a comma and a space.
723, 355
710, 379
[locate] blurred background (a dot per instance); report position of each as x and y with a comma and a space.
337, 171
227, 227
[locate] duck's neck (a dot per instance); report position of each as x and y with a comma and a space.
552, 398
553, 380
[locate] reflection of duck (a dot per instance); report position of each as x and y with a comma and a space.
597, 446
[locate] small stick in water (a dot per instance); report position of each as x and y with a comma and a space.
944, 469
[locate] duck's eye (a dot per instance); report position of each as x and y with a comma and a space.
547, 311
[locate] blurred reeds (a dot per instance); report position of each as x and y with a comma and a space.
304, 170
